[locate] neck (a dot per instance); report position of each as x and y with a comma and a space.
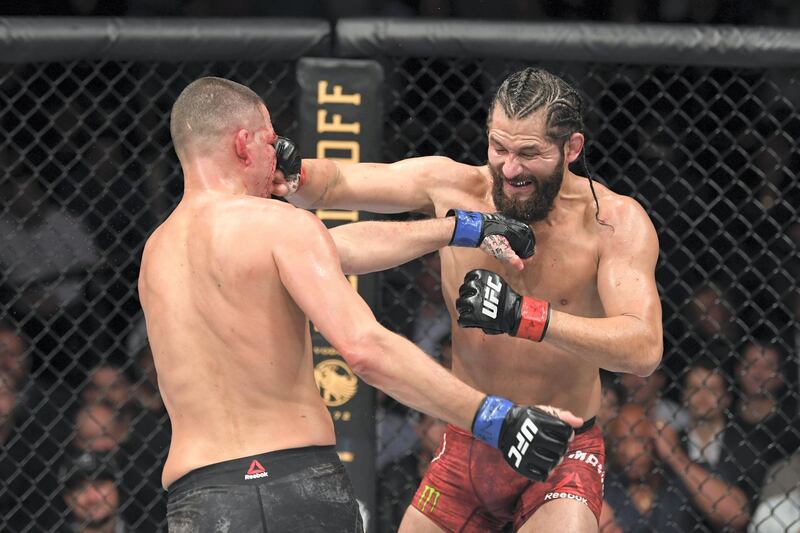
708, 429
756, 408
206, 174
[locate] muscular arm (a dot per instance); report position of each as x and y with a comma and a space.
309, 269
408, 185
630, 338
365, 247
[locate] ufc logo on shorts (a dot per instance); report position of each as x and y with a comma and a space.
491, 297
524, 439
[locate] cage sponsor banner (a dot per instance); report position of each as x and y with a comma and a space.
340, 118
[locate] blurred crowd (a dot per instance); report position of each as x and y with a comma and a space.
707, 443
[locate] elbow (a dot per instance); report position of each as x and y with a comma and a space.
649, 358
359, 350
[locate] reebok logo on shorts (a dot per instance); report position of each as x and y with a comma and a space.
255, 471
557, 495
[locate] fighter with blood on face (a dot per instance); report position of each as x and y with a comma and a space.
586, 300
228, 283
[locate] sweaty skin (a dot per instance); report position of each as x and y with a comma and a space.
228, 284
233, 377
598, 278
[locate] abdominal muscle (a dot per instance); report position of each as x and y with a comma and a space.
525, 373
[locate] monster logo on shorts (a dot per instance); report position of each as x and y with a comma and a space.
429, 496
337, 383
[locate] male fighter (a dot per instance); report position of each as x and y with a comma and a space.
586, 300
226, 284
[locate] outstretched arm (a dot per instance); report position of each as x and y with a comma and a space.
370, 246
410, 185
628, 339
365, 247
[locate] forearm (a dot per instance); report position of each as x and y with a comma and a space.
320, 174
723, 504
619, 344
405, 373
373, 246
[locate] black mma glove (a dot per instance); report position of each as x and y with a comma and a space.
533, 442
486, 301
290, 163
473, 227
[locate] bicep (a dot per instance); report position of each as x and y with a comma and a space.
385, 188
626, 272
309, 268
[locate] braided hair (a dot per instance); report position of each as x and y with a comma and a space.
531, 89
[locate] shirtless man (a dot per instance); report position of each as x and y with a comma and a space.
595, 306
227, 283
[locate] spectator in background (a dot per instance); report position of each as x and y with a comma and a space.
100, 427
26, 452
143, 445
14, 361
109, 383
90, 485
641, 496
41, 398
46, 257
648, 392
399, 480
779, 510
765, 427
707, 327
710, 313
705, 472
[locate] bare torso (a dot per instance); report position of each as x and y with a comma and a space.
563, 271
231, 348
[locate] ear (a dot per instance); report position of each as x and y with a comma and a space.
240, 141
574, 146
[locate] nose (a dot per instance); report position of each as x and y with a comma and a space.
511, 167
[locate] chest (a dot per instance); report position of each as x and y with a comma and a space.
563, 270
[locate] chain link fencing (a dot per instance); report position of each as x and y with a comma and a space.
710, 152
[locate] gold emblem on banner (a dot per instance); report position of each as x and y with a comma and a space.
337, 383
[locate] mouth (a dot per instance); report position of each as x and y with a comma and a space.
521, 184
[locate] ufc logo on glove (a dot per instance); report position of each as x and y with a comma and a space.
491, 297
524, 438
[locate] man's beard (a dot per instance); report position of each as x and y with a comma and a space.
538, 205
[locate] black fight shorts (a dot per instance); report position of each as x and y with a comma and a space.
301, 489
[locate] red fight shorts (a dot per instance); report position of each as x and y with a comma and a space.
469, 487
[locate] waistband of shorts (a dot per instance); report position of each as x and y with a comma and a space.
261, 467
589, 424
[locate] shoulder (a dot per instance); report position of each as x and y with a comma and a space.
622, 219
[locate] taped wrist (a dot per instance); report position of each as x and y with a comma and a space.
489, 419
469, 226
534, 319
